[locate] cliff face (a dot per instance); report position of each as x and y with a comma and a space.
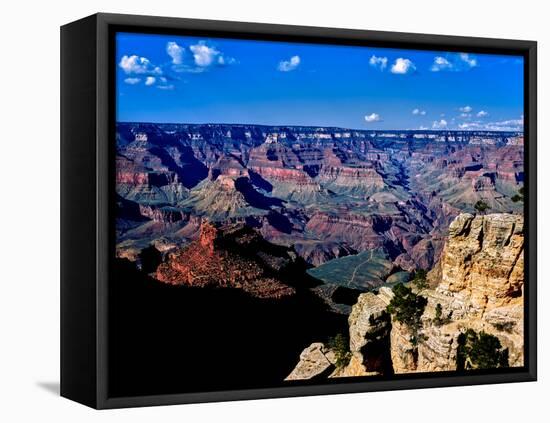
479, 286
369, 330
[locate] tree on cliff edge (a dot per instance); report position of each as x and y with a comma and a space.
407, 308
481, 206
480, 351
420, 279
340, 346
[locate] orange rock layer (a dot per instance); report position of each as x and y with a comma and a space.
204, 264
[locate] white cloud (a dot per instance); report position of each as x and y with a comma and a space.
465, 115
373, 117
504, 125
469, 125
135, 65
465, 109
482, 113
440, 63
441, 124
289, 65
423, 128
132, 81
202, 58
176, 52
466, 58
378, 62
166, 87
150, 80
419, 112
402, 66
453, 62
223, 60
204, 55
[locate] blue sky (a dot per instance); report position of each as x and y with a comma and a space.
176, 79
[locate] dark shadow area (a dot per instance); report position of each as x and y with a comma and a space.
279, 222
312, 170
253, 197
150, 259
169, 339
259, 182
191, 171
345, 295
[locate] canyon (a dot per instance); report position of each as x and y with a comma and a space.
362, 208
275, 239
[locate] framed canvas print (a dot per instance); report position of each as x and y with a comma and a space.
256, 211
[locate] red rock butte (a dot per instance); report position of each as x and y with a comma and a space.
204, 263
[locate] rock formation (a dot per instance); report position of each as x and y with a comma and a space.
369, 330
480, 280
316, 361
207, 262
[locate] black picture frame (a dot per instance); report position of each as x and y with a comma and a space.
87, 169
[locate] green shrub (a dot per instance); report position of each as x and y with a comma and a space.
339, 344
519, 196
480, 351
504, 326
407, 308
481, 206
419, 279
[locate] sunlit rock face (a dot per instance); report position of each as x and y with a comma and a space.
478, 284
208, 262
481, 288
315, 361
482, 281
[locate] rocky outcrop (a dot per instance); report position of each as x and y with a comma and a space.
316, 361
218, 199
482, 265
163, 214
481, 288
482, 280
320, 252
210, 262
227, 166
477, 284
369, 331
357, 181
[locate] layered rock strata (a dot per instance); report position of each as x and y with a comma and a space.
480, 287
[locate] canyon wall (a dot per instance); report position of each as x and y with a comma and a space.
480, 287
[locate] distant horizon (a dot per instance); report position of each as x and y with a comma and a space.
312, 126
171, 78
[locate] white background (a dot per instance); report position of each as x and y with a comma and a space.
29, 193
